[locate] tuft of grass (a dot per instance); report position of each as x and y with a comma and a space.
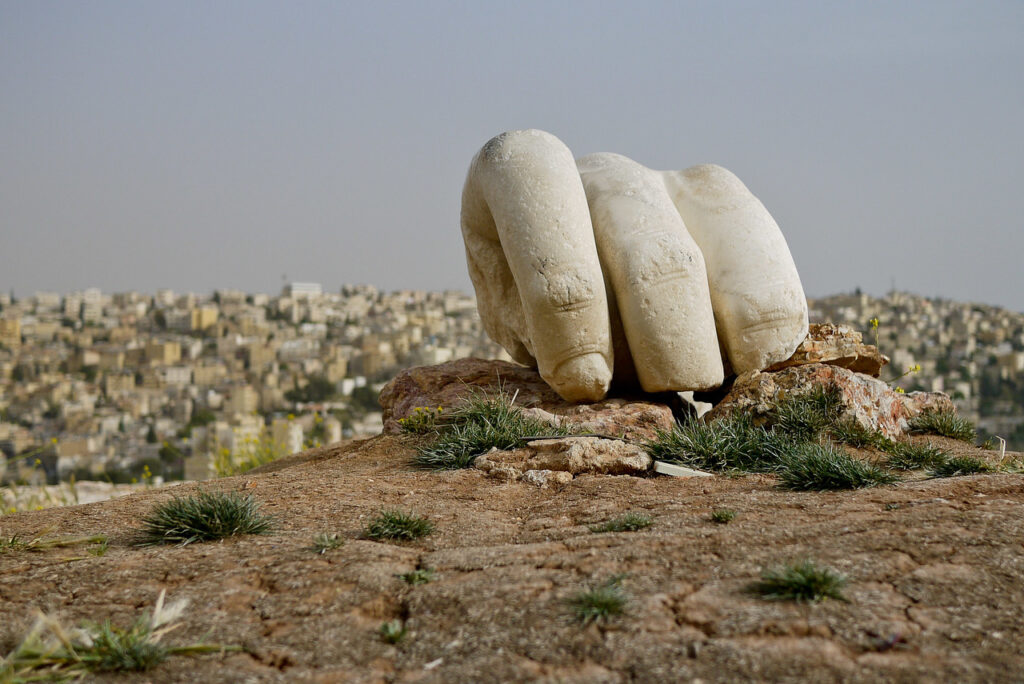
327, 541
801, 581
16, 543
599, 603
52, 652
730, 443
723, 516
418, 576
945, 423
100, 548
850, 432
960, 465
398, 525
630, 522
814, 467
906, 456
481, 423
205, 516
804, 417
392, 632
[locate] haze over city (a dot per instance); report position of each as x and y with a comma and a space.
196, 146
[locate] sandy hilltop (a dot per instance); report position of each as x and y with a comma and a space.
934, 568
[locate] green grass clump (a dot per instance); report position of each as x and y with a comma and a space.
398, 525
392, 632
326, 541
630, 522
804, 417
52, 652
850, 432
723, 516
945, 423
814, 467
730, 443
206, 516
478, 425
418, 576
802, 581
960, 465
906, 456
600, 603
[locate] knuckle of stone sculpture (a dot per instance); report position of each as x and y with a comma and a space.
690, 261
759, 303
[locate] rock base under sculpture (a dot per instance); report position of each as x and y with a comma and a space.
448, 384
873, 403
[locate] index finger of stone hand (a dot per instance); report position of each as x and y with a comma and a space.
523, 191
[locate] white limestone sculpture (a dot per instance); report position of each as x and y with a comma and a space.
605, 267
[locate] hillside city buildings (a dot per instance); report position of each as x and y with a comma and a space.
128, 385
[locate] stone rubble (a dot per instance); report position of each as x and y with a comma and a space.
836, 345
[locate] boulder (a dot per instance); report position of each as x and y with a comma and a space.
448, 384
873, 403
572, 455
836, 345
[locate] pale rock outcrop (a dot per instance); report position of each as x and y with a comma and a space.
609, 269
574, 455
873, 403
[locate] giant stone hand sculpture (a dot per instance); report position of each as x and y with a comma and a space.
602, 267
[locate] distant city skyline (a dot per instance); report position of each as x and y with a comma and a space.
194, 146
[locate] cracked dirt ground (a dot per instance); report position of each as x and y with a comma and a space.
935, 567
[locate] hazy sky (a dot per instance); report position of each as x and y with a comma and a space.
202, 145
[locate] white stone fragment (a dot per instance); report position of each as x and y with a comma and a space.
678, 471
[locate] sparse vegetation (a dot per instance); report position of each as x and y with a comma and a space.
801, 581
15, 543
422, 420
398, 526
327, 541
945, 423
418, 576
850, 432
906, 456
392, 632
723, 516
599, 603
960, 465
731, 443
250, 452
804, 417
205, 516
480, 423
630, 522
52, 652
100, 547
825, 467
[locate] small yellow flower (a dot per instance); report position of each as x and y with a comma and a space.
900, 390
53, 440
874, 323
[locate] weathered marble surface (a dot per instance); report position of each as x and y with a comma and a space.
604, 268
